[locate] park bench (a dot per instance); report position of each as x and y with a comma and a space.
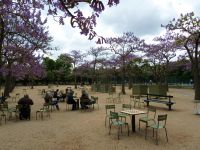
164, 99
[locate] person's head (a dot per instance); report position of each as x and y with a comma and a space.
84, 92
57, 90
26, 96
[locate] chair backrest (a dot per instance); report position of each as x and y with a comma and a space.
120, 94
114, 115
110, 94
4, 105
151, 112
110, 107
95, 98
162, 120
126, 106
46, 107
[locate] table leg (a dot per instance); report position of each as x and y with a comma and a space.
77, 104
133, 123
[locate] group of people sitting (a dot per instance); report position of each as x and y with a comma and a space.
84, 99
53, 99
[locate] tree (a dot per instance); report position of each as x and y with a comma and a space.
85, 24
49, 65
188, 38
160, 55
22, 33
138, 71
85, 71
96, 53
76, 56
166, 49
63, 66
180, 71
123, 46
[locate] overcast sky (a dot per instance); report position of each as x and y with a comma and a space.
142, 17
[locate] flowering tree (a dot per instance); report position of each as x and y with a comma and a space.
61, 9
123, 46
160, 55
85, 24
188, 26
22, 33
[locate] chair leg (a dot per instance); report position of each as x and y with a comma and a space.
139, 125
118, 132
41, 115
109, 129
156, 136
48, 114
105, 120
128, 129
4, 116
153, 132
146, 131
166, 134
0, 120
36, 116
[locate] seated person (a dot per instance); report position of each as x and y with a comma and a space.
49, 100
70, 100
85, 100
56, 95
25, 109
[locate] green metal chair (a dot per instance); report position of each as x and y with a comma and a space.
109, 99
4, 111
14, 110
43, 110
161, 124
96, 99
108, 116
118, 123
117, 98
150, 117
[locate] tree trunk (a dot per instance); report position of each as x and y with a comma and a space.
130, 82
196, 85
8, 83
31, 82
1, 44
1, 39
75, 84
123, 78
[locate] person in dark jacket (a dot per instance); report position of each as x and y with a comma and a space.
25, 109
85, 100
55, 99
70, 100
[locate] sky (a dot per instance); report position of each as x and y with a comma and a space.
142, 17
